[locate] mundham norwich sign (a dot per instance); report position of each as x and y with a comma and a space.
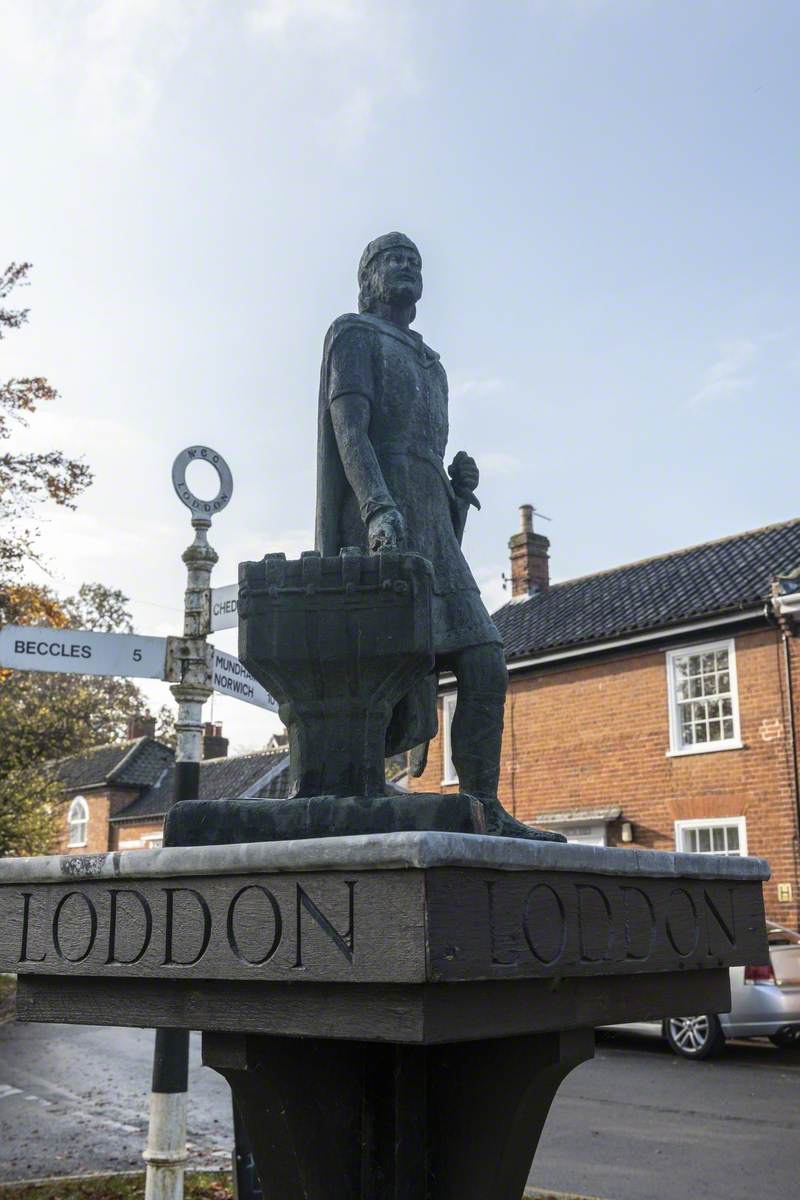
230, 677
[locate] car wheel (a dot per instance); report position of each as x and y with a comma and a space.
787, 1039
694, 1037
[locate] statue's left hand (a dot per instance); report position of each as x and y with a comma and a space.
463, 471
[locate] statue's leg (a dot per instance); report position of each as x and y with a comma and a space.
477, 731
477, 734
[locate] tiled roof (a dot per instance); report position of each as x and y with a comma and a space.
712, 579
260, 775
133, 764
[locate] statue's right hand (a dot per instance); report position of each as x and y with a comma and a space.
386, 531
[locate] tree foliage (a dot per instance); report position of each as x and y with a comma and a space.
47, 716
27, 480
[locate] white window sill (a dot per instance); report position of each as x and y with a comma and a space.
76, 845
705, 748
449, 782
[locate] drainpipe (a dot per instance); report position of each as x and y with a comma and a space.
782, 609
787, 662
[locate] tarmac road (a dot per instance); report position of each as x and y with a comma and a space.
634, 1124
638, 1123
74, 1099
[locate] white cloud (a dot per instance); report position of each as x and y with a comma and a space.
495, 464
361, 55
102, 61
730, 374
279, 19
477, 385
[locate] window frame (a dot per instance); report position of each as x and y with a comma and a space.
78, 804
449, 775
739, 823
676, 747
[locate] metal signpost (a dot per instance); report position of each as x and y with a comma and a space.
188, 663
195, 669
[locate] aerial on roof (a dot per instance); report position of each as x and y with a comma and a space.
125, 764
716, 578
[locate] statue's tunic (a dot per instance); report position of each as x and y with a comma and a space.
406, 387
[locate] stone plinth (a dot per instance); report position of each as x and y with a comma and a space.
402, 1007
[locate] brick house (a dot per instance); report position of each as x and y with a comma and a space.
116, 796
656, 704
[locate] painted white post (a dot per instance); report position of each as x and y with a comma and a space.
166, 1153
166, 1144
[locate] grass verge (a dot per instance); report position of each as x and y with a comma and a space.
531, 1194
204, 1186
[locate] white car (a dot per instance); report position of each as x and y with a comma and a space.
765, 1002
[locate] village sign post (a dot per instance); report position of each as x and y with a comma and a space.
196, 669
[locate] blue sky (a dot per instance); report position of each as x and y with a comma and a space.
605, 196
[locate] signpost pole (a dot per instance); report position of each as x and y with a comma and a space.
166, 1144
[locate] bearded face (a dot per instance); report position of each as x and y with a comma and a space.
397, 276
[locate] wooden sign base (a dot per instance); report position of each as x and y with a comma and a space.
335, 1120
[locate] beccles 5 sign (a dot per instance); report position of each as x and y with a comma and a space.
82, 652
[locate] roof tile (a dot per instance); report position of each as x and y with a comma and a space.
712, 579
260, 775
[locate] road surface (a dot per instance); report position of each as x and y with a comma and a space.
636, 1123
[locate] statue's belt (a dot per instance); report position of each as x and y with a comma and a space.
388, 451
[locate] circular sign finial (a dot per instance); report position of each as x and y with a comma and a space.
202, 508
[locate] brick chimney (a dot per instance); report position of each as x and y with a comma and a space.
530, 569
140, 726
214, 744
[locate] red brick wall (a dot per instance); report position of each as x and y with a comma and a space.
102, 803
597, 735
97, 827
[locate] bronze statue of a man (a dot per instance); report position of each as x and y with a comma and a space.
382, 484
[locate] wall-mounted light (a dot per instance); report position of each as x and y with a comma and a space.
626, 831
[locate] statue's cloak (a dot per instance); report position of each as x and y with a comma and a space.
406, 386
415, 720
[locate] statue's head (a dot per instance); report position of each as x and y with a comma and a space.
390, 272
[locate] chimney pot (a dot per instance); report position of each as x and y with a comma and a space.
140, 726
214, 744
530, 564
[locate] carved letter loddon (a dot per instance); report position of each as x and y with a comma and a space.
332, 927
211, 927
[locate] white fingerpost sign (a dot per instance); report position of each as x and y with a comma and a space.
224, 607
230, 677
82, 652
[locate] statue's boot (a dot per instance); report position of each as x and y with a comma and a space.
501, 824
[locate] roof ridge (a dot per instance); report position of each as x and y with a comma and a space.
56, 762
641, 562
248, 754
128, 757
